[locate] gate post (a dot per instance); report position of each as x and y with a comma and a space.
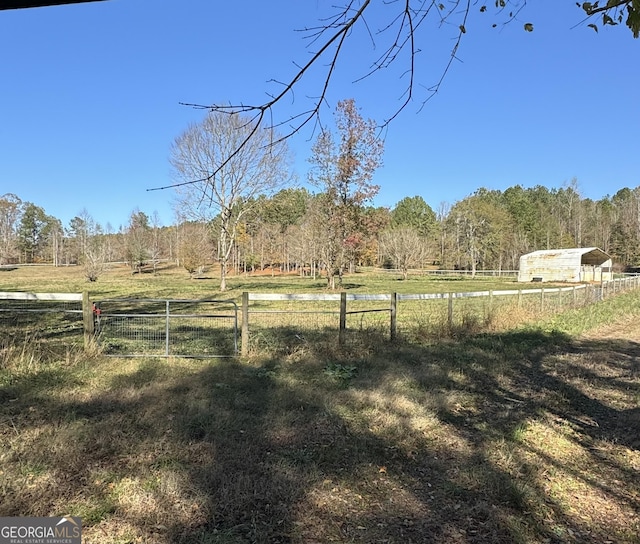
245, 324
87, 320
394, 316
343, 318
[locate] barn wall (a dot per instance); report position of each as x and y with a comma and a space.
591, 273
561, 267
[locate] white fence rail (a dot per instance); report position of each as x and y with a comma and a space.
438, 272
59, 297
291, 314
433, 313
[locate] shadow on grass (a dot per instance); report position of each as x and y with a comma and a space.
517, 437
184, 341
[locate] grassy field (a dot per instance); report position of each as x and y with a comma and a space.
173, 282
527, 436
286, 325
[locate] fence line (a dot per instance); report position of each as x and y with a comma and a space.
341, 312
405, 310
438, 272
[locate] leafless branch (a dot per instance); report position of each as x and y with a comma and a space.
330, 37
259, 111
433, 90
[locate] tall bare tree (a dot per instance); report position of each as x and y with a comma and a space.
404, 246
344, 171
220, 166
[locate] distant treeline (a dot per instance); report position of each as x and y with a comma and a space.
486, 230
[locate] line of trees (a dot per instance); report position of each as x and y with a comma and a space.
29, 236
237, 207
288, 232
489, 229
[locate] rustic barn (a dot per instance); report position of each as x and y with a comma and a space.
583, 264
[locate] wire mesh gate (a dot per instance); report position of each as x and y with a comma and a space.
167, 328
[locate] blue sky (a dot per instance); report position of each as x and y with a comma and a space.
91, 93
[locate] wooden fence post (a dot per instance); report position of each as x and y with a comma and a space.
244, 349
394, 313
87, 319
519, 298
450, 311
343, 318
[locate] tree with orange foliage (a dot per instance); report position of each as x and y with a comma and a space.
344, 170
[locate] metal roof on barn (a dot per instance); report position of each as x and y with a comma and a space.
588, 255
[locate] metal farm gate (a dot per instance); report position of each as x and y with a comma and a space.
167, 328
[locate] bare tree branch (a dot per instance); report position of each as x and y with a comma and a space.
594, 9
223, 194
401, 29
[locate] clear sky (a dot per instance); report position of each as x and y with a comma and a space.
91, 93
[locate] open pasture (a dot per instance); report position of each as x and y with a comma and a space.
522, 436
172, 281
287, 324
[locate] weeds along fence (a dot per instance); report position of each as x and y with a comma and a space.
197, 328
271, 320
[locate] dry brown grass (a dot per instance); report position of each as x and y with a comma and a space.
527, 436
522, 437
